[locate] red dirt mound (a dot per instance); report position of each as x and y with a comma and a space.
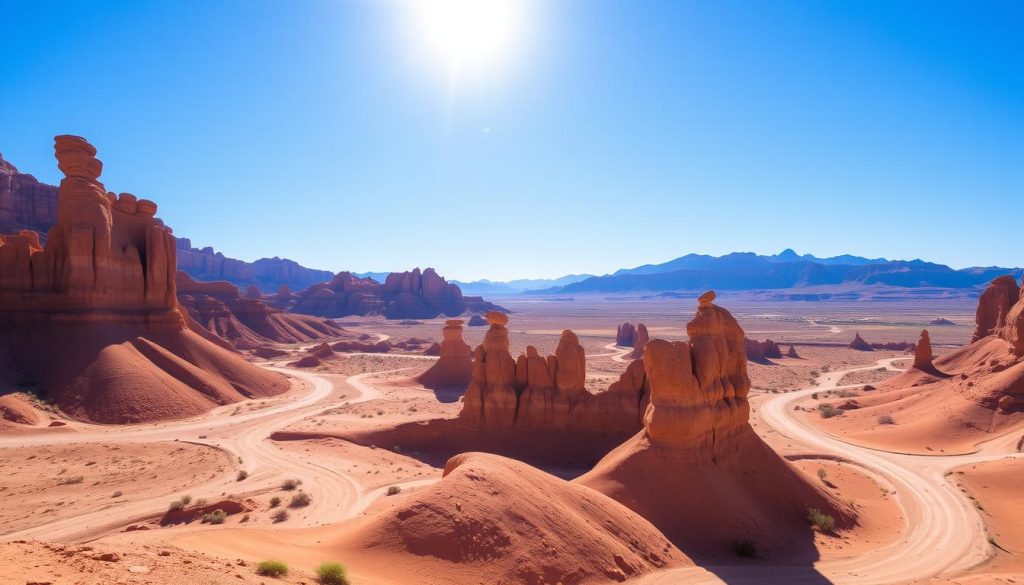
496, 520
14, 408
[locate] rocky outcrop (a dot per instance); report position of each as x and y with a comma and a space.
362, 347
697, 439
539, 397
92, 317
266, 274
625, 334
994, 306
25, 203
923, 353
454, 367
640, 341
477, 321
859, 344
791, 352
761, 350
247, 323
404, 295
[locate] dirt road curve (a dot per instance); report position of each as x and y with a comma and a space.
945, 535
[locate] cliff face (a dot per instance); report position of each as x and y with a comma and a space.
266, 274
92, 317
25, 203
403, 295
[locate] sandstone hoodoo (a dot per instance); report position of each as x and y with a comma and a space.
404, 295
92, 318
454, 367
923, 352
956, 400
247, 323
625, 334
640, 341
859, 344
696, 439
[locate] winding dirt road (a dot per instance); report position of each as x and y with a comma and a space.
944, 535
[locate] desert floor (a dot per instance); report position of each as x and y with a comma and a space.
89, 504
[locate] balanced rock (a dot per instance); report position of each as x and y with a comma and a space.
454, 367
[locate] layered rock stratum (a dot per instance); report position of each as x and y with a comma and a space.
25, 203
92, 318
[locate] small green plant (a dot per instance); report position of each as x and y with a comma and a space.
300, 500
290, 484
280, 516
242, 474
332, 574
826, 410
272, 569
179, 504
275, 502
393, 490
745, 548
818, 519
215, 517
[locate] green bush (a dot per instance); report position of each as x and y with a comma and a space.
290, 484
828, 411
823, 522
280, 516
272, 569
332, 574
275, 502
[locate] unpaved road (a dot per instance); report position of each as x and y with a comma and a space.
944, 536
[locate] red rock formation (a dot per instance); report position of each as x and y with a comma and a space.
362, 347
791, 353
625, 334
859, 344
994, 306
434, 349
477, 321
404, 295
544, 399
267, 274
923, 352
247, 323
25, 203
454, 368
93, 320
762, 350
640, 341
696, 439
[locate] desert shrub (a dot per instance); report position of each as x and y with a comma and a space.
828, 411
822, 475
280, 516
186, 499
275, 502
201, 502
242, 474
847, 394
215, 517
394, 490
300, 500
290, 484
272, 569
745, 548
885, 419
71, 480
117, 494
179, 504
332, 574
818, 519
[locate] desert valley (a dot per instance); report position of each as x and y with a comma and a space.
157, 428
511, 292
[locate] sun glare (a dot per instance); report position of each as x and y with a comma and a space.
471, 33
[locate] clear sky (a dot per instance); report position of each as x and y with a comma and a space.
601, 134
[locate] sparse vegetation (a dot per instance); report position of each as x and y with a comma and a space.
179, 504
300, 500
216, 517
393, 490
822, 475
280, 516
885, 419
117, 494
818, 519
290, 484
242, 474
71, 480
272, 569
275, 502
332, 574
745, 548
826, 410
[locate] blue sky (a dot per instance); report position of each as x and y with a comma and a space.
611, 134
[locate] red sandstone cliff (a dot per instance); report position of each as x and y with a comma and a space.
25, 203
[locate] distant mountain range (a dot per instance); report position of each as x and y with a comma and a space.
786, 270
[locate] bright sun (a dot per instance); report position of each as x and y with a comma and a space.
471, 33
